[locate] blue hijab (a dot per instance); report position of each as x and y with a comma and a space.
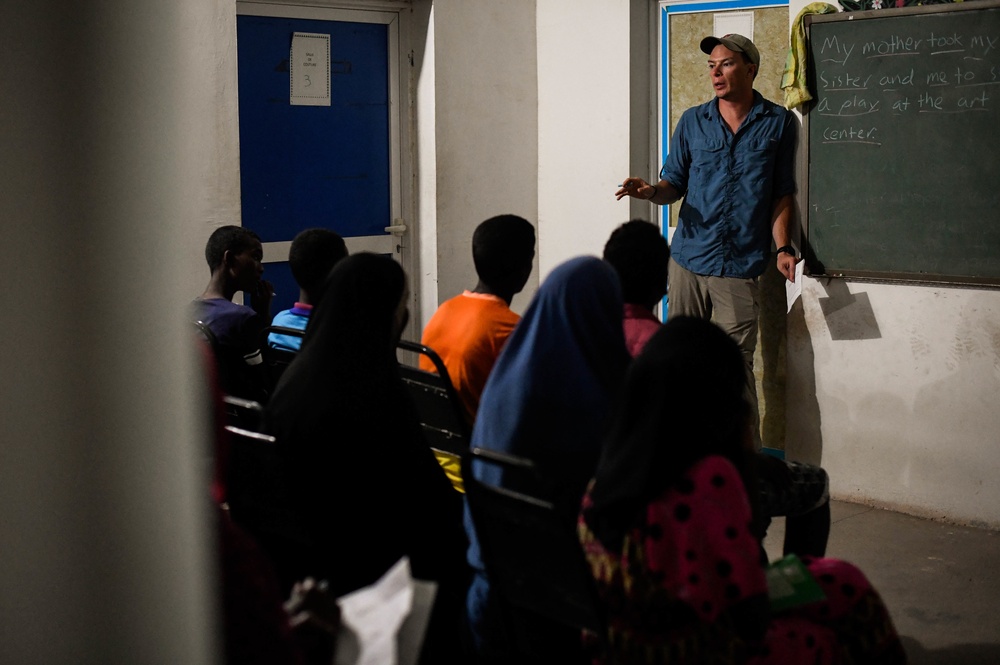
550, 392
548, 399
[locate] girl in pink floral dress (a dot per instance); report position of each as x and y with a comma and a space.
669, 533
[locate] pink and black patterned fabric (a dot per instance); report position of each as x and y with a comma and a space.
688, 565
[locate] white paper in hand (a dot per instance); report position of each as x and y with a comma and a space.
794, 289
373, 616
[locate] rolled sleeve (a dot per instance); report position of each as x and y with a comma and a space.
678, 165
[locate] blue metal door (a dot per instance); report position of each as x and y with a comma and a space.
313, 166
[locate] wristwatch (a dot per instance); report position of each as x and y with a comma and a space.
787, 249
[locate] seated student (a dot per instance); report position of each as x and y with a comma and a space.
312, 255
639, 254
547, 399
362, 480
469, 330
667, 527
234, 256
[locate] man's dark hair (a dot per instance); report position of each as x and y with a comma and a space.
313, 254
639, 254
228, 238
502, 249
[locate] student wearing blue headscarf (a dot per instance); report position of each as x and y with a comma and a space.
547, 399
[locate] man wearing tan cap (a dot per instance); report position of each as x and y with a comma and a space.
732, 161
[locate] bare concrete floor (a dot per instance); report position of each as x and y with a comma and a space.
940, 582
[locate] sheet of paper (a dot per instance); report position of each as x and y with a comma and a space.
411, 633
373, 619
728, 22
309, 69
794, 289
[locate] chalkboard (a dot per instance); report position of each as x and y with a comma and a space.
904, 143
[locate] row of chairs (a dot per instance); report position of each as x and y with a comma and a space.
433, 394
440, 412
534, 561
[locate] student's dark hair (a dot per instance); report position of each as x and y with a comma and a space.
682, 401
228, 238
502, 250
639, 254
312, 256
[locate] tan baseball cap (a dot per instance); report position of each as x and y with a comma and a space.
733, 42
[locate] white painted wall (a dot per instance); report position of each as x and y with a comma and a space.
583, 125
219, 172
896, 391
425, 83
483, 70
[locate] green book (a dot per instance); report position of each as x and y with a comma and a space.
790, 584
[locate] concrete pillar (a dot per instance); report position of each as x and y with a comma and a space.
105, 543
591, 64
486, 129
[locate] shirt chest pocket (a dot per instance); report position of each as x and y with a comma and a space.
756, 159
707, 155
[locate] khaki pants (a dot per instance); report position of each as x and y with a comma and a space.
732, 304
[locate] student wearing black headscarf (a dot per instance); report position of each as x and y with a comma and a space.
361, 479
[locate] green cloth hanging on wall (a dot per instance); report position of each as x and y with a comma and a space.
793, 80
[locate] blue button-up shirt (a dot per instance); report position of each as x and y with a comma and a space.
730, 183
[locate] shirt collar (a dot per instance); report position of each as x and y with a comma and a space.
483, 296
711, 108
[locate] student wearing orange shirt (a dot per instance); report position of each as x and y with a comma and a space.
469, 330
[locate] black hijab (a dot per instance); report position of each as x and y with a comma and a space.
683, 400
363, 478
